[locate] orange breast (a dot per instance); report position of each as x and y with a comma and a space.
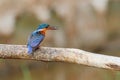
43, 31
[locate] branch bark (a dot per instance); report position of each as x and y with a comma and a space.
61, 54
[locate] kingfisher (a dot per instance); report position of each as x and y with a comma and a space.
37, 36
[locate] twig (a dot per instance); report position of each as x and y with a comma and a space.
61, 54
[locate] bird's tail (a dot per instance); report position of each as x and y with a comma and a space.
30, 50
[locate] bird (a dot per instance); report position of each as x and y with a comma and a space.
37, 36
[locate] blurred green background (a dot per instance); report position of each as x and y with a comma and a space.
91, 25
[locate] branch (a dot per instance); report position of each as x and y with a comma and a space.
61, 54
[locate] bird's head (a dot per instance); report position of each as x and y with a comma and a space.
44, 27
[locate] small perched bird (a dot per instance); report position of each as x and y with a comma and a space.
37, 36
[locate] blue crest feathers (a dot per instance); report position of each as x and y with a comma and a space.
41, 26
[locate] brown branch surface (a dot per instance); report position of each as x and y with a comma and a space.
61, 54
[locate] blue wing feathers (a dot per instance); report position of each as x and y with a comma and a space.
35, 39
30, 50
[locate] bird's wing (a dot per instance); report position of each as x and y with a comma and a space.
35, 40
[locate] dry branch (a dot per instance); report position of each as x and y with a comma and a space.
61, 54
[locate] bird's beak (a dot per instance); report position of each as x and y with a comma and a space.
51, 28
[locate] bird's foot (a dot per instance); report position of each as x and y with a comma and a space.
38, 48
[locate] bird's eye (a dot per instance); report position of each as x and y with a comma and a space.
47, 26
